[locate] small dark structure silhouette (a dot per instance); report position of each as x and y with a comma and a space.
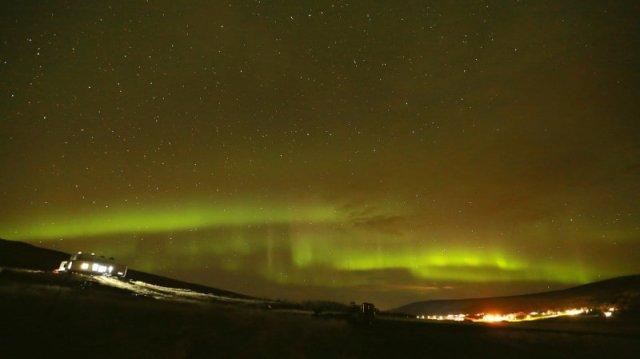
364, 314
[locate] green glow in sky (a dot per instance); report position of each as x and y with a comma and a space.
158, 219
449, 263
313, 244
302, 244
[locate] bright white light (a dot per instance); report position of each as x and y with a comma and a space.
574, 311
84, 266
110, 269
607, 314
497, 318
63, 266
96, 267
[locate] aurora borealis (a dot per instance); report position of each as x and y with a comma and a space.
379, 151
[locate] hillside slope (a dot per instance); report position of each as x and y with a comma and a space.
15, 254
622, 292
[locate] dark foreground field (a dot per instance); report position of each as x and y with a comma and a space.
54, 317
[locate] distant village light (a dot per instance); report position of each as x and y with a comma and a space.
519, 316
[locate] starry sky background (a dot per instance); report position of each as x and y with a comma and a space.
388, 151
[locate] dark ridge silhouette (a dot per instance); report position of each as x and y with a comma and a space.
621, 292
14, 254
23, 255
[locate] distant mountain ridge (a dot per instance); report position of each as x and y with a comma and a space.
621, 292
16, 254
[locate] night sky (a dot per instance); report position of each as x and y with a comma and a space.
388, 151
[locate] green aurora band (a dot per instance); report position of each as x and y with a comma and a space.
154, 220
319, 242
